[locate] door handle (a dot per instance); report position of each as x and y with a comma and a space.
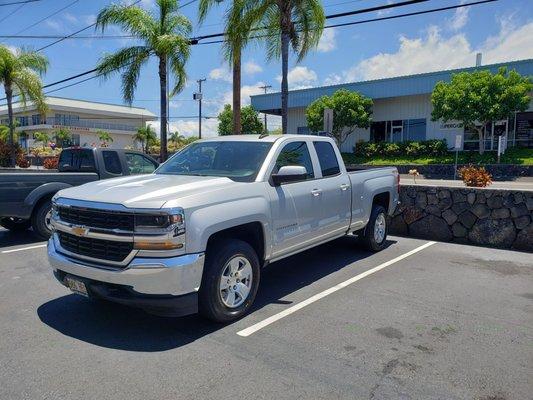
344, 186
316, 192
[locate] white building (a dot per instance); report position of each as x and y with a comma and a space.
83, 119
402, 110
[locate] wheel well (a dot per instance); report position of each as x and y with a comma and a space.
251, 233
382, 199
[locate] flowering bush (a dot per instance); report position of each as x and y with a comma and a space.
475, 176
5, 153
51, 163
23, 162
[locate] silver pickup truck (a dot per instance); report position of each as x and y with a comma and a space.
194, 235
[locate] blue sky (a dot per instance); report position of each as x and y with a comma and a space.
502, 31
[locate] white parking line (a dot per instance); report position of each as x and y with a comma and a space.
270, 320
24, 248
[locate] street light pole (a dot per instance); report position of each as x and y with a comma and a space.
265, 88
198, 96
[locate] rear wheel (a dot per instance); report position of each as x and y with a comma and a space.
374, 235
15, 224
230, 281
40, 220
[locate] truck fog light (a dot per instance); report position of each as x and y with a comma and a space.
157, 246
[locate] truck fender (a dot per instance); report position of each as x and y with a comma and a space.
373, 187
44, 190
218, 217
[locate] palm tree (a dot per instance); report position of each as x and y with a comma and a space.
104, 138
164, 36
146, 136
41, 137
176, 138
61, 136
236, 39
20, 73
280, 24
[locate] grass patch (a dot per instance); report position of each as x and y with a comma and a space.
513, 155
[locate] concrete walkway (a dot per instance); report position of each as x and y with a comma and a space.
520, 184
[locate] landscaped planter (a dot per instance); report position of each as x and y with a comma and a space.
446, 171
487, 217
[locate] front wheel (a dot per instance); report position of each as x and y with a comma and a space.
374, 235
40, 220
230, 281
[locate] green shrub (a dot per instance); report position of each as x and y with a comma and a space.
5, 153
433, 147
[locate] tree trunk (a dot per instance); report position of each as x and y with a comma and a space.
163, 105
11, 138
284, 81
237, 127
482, 139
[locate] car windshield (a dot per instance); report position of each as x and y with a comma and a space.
237, 160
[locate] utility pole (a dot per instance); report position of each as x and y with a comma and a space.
265, 88
198, 96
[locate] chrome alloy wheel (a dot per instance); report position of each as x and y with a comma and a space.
48, 220
379, 228
236, 281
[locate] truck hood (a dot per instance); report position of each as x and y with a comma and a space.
144, 191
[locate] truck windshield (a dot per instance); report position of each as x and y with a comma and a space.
236, 160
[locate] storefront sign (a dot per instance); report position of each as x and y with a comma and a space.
451, 125
72, 128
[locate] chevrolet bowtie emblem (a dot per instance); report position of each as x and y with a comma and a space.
79, 230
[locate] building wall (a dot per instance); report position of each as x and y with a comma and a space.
389, 109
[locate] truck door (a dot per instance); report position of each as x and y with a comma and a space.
336, 192
295, 206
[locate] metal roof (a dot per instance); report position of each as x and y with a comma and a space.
380, 88
75, 105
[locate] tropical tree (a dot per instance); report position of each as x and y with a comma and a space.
351, 110
280, 24
478, 98
164, 36
104, 137
251, 124
41, 137
20, 73
62, 136
236, 38
176, 138
146, 136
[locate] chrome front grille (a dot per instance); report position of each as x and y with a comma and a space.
95, 218
95, 248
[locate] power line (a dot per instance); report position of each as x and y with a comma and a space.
48, 16
12, 12
16, 36
222, 40
18, 2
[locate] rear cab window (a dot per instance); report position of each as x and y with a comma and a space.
77, 160
112, 162
327, 159
295, 154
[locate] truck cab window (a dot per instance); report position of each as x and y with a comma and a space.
295, 153
327, 158
139, 164
112, 162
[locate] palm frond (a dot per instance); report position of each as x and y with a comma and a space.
111, 63
33, 60
130, 77
28, 85
134, 20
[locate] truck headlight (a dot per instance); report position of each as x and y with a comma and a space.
160, 231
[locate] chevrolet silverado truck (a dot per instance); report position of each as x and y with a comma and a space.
25, 195
195, 234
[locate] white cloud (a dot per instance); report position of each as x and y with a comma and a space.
53, 24
246, 92
300, 77
70, 18
89, 19
333, 79
252, 68
386, 11
434, 52
459, 19
327, 41
222, 73
189, 127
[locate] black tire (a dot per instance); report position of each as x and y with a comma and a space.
15, 224
38, 219
211, 305
367, 238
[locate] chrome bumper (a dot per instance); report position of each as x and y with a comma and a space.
152, 276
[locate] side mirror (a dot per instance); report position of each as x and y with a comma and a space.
289, 173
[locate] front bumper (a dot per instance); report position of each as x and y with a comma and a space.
155, 284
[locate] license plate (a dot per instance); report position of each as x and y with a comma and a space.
77, 286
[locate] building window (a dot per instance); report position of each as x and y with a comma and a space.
524, 129
66, 119
22, 121
398, 130
36, 119
75, 141
415, 129
303, 130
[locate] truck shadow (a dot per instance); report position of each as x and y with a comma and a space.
8, 238
124, 328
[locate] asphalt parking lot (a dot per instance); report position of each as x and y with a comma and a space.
418, 320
